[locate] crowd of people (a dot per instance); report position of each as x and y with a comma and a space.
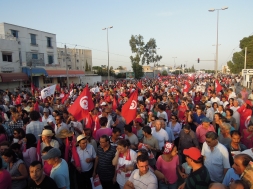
196, 139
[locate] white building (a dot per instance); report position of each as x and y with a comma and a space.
29, 55
29, 51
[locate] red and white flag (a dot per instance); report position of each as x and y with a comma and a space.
82, 105
130, 107
187, 87
218, 87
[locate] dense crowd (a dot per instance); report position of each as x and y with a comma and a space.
186, 134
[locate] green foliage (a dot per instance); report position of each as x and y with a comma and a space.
86, 66
120, 68
121, 75
237, 63
138, 71
164, 73
143, 53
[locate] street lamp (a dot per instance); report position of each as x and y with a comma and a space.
174, 61
108, 49
217, 37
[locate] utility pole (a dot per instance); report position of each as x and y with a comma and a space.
245, 58
67, 69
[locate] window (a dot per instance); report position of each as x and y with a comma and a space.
7, 57
47, 80
50, 59
14, 33
35, 56
33, 39
49, 43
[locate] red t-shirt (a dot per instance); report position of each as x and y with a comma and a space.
5, 179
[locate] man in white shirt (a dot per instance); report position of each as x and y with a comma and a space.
215, 98
160, 134
224, 102
236, 114
216, 158
161, 110
142, 177
209, 111
46, 117
248, 151
59, 125
231, 93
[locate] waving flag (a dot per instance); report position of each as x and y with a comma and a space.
218, 87
139, 85
64, 98
82, 105
36, 106
48, 91
114, 104
18, 100
187, 87
130, 107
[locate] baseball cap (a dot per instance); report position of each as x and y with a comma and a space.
193, 153
52, 153
209, 104
205, 119
138, 120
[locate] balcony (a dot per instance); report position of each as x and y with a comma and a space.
35, 59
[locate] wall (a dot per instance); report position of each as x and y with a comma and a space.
11, 85
24, 39
9, 46
91, 79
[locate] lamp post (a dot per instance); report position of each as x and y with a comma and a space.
67, 69
108, 49
217, 37
174, 61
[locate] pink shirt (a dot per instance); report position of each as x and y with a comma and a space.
169, 169
5, 179
103, 131
201, 132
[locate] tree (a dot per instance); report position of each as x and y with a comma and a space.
144, 53
89, 68
237, 63
164, 73
86, 66
120, 68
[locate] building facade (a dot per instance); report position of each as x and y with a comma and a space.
31, 56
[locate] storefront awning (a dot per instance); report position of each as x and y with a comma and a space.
12, 77
63, 73
34, 71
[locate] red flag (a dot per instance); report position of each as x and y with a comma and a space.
58, 88
89, 121
96, 125
139, 85
75, 155
114, 104
66, 153
64, 98
18, 100
218, 87
36, 107
38, 150
130, 107
82, 105
187, 87
32, 88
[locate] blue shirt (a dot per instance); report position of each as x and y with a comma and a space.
198, 119
230, 176
60, 174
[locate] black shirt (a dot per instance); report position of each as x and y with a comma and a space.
105, 169
45, 184
199, 179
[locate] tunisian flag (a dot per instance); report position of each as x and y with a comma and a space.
186, 87
218, 87
139, 85
82, 105
114, 104
18, 100
130, 107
